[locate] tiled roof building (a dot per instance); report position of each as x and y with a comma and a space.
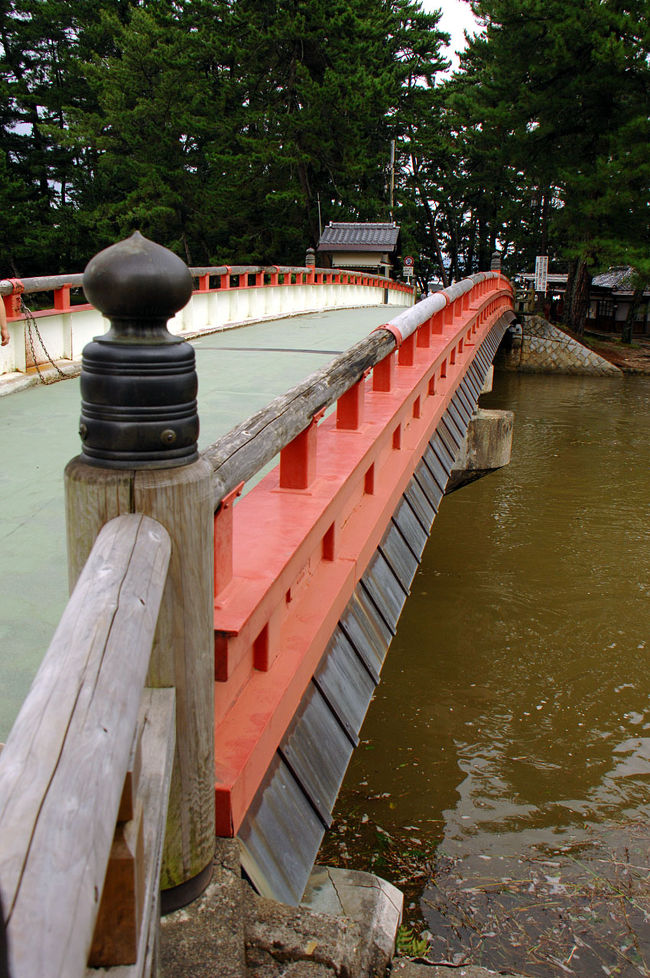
367, 246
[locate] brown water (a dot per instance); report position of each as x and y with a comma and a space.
511, 729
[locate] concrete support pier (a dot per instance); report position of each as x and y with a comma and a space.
486, 448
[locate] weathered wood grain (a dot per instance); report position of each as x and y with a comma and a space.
181, 500
93, 496
183, 657
63, 767
158, 731
116, 937
241, 453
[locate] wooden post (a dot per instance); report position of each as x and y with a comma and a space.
107, 480
183, 657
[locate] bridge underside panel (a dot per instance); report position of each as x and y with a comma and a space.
284, 826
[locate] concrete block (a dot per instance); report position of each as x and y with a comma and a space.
487, 447
373, 902
278, 935
206, 938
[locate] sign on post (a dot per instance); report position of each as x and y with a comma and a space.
408, 266
541, 273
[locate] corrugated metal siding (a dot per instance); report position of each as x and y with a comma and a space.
286, 822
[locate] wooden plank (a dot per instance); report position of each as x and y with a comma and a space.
117, 929
62, 770
131, 780
157, 712
246, 449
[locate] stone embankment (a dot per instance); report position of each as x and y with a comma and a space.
536, 346
345, 928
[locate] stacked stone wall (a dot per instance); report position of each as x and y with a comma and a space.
535, 346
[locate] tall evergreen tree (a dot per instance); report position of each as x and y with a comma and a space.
562, 92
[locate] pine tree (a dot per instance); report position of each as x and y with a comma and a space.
562, 91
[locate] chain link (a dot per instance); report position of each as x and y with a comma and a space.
31, 322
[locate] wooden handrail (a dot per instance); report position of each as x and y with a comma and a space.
247, 448
62, 771
240, 454
50, 283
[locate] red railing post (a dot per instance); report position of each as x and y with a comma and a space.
424, 335
349, 407
406, 352
62, 299
223, 523
383, 374
298, 459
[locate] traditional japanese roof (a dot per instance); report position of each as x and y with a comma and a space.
618, 279
359, 237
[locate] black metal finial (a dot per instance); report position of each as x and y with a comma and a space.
138, 381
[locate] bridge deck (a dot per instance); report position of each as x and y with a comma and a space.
239, 372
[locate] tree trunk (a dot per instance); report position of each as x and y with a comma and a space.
571, 277
544, 224
580, 297
431, 220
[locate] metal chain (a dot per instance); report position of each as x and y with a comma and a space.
31, 322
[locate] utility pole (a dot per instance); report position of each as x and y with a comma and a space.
392, 179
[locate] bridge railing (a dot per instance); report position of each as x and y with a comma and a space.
223, 296
289, 554
239, 455
72, 757
84, 776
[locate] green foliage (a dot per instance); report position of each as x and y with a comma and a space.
549, 117
409, 944
218, 127
214, 126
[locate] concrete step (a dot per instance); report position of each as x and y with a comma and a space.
207, 939
345, 927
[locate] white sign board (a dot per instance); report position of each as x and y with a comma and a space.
541, 272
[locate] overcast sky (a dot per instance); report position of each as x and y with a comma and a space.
456, 18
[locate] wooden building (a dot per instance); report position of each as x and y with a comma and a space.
360, 247
611, 295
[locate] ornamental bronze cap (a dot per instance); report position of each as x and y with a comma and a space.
138, 381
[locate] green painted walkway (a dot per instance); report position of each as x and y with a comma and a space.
239, 370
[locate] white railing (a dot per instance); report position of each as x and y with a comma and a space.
225, 296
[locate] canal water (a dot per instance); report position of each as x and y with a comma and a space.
502, 778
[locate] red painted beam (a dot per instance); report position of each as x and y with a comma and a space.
300, 544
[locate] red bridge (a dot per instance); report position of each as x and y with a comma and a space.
243, 636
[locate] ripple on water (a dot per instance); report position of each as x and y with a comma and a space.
513, 712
